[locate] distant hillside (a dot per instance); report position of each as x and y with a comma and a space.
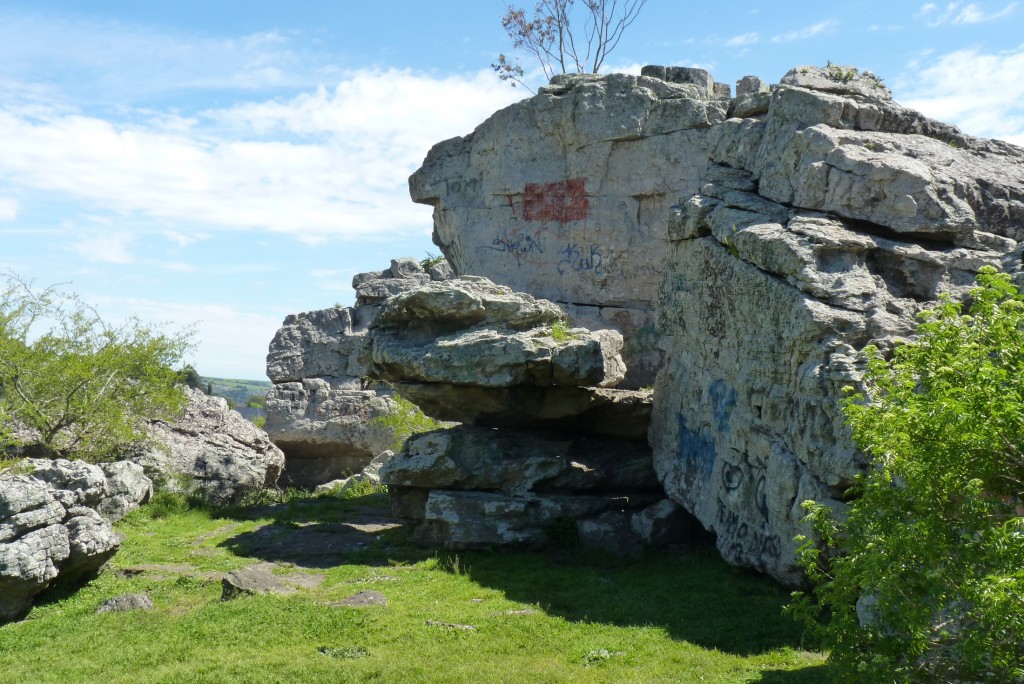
237, 391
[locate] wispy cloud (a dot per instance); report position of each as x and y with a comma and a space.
109, 248
744, 39
980, 92
8, 208
108, 60
958, 13
807, 32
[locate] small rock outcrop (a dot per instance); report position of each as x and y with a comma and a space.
476, 487
55, 523
319, 409
468, 350
210, 449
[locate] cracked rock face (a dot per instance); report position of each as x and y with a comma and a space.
51, 527
211, 449
822, 228
471, 487
467, 350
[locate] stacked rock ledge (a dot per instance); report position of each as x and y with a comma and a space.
545, 442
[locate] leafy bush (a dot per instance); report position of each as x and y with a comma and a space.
928, 583
405, 421
83, 384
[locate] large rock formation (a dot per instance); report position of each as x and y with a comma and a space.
210, 449
55, 523
319, 410
822, 227
774, 244
566, 195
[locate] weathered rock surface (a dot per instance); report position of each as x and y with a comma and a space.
126, 603
211, 449
566, 195
470, 332
474, 487
319, 409
820, 228
50, 529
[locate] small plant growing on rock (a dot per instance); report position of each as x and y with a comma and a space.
840, 74
431, 260
405, 421
561, 332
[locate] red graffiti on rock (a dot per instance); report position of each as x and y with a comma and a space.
561, 201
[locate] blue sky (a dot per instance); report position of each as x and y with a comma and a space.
225, 164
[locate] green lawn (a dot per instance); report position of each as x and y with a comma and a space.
680, 616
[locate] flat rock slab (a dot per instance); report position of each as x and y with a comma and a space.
363, 599
126, 603
451, 625
261, 579
313, 545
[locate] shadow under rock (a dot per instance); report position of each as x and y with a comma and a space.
689, 591
818, 674
315, 533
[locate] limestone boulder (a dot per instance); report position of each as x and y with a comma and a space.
210, 449
517, 462
50, 525
764, 309
472, 487
319, 408
470, 333
325, 427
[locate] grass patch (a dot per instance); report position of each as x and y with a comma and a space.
682, 616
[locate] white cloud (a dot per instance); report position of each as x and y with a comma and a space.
325, 163
111, 248
230, 342
981, 93
959, 13
8, 208
808, 32
744, 39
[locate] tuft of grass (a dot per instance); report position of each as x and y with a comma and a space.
431, 260
405, 421
561, 332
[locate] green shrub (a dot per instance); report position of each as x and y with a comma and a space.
405, 421
431, 260
260, 421
924, 578
84, 384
